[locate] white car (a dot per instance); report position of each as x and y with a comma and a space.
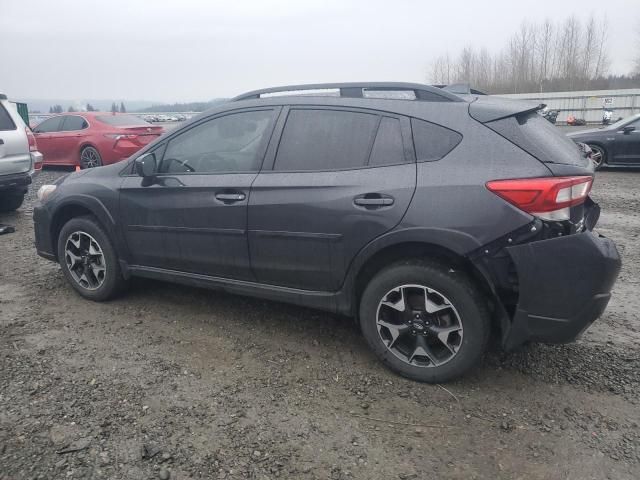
19, 157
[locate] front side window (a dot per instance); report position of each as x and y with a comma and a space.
74, 122
53, 124
325, 140
232, 143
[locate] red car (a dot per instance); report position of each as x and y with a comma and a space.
91, 139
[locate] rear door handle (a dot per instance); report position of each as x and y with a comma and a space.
373, 200
230, 197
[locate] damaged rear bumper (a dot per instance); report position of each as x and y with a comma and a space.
565, 284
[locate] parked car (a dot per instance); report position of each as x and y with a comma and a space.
20, 159
617, 144
438, 222
92, 139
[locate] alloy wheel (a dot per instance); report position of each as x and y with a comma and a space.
419, 325
89, 158
597, 156
85, 260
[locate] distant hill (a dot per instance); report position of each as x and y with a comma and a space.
182, 107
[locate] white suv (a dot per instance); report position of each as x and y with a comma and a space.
19, 157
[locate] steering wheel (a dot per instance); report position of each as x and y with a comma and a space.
183, 163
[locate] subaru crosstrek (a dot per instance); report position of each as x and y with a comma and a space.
436, 219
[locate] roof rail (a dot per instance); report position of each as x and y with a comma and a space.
356, 90
460, 89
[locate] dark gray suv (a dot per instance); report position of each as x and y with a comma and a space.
436, 219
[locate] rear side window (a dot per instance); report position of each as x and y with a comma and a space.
540, 138
6, 123
74, 122
53, 124
325, 140
388, 148
431, 141
122, 120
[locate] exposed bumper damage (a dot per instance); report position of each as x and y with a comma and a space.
551, 288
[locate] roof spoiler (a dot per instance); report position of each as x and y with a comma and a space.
490, 108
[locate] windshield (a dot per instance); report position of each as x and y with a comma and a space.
122, 120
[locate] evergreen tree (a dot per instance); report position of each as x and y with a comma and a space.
122, 109
50, 109
71, 109
114, 108
90, 108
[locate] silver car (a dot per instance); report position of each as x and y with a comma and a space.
19, 157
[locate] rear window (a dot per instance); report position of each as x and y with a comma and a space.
122, 120
431, 141
537, 136
6, 123
325, 140
74, 122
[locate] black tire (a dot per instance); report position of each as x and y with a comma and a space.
10, 202
470, 308
600, 154
90, 158
112, 281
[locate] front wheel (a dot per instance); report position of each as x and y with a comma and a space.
88, 259
425, 321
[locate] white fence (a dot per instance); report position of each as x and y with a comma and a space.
587, 104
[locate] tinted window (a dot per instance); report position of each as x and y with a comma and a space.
50, 125
5, 120
388, 149
432, 142
325, 140
233, 143
74, 122
122, 120
540, 138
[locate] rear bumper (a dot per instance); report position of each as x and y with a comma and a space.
565, 284
17, 181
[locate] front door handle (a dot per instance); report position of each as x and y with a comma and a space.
230, 197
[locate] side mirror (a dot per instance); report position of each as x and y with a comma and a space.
146, 165
628, 129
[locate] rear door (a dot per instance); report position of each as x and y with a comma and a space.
45, 134
339, 179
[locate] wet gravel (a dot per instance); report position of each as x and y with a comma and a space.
174, 382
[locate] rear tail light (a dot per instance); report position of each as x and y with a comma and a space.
549, 198
33, 145
120, 136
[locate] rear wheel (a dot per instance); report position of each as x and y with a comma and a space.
598, 156
424, 320
90, 158
11, 201
88, 259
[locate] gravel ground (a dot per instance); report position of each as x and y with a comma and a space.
175, 382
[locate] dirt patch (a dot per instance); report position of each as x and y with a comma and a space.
175, 382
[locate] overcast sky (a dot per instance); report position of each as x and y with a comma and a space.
167, 50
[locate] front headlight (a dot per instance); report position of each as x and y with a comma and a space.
45, 191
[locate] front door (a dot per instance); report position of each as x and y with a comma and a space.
45, 134
193, 217
627, 145
339, 179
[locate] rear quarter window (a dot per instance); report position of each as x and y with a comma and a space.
540, 138
6, 123
431, 141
